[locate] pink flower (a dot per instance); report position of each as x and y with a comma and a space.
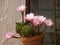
29, 16
38, 20
21, 8
48, 22
9, 35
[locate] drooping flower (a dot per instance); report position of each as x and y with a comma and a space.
9, 35
29, 16
48, 22
21, 8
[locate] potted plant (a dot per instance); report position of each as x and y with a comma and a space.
30, 27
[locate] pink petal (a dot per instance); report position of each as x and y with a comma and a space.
40, 18
35, 22
29, 16
21, 8
48, 22
9, 35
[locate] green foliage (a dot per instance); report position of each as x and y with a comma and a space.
38, 32
19, 27
27, 31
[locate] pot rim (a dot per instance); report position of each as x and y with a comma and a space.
33, 38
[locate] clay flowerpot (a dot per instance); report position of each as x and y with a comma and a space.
35, 40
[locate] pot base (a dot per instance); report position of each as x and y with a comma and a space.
35, 40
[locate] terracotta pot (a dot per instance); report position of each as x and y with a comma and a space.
35, 40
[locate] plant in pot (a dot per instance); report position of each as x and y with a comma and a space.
30, 27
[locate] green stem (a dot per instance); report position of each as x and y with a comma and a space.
45, 28
22, 17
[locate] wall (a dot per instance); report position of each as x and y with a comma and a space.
8, 18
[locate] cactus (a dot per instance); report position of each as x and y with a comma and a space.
19, 27
27, 31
